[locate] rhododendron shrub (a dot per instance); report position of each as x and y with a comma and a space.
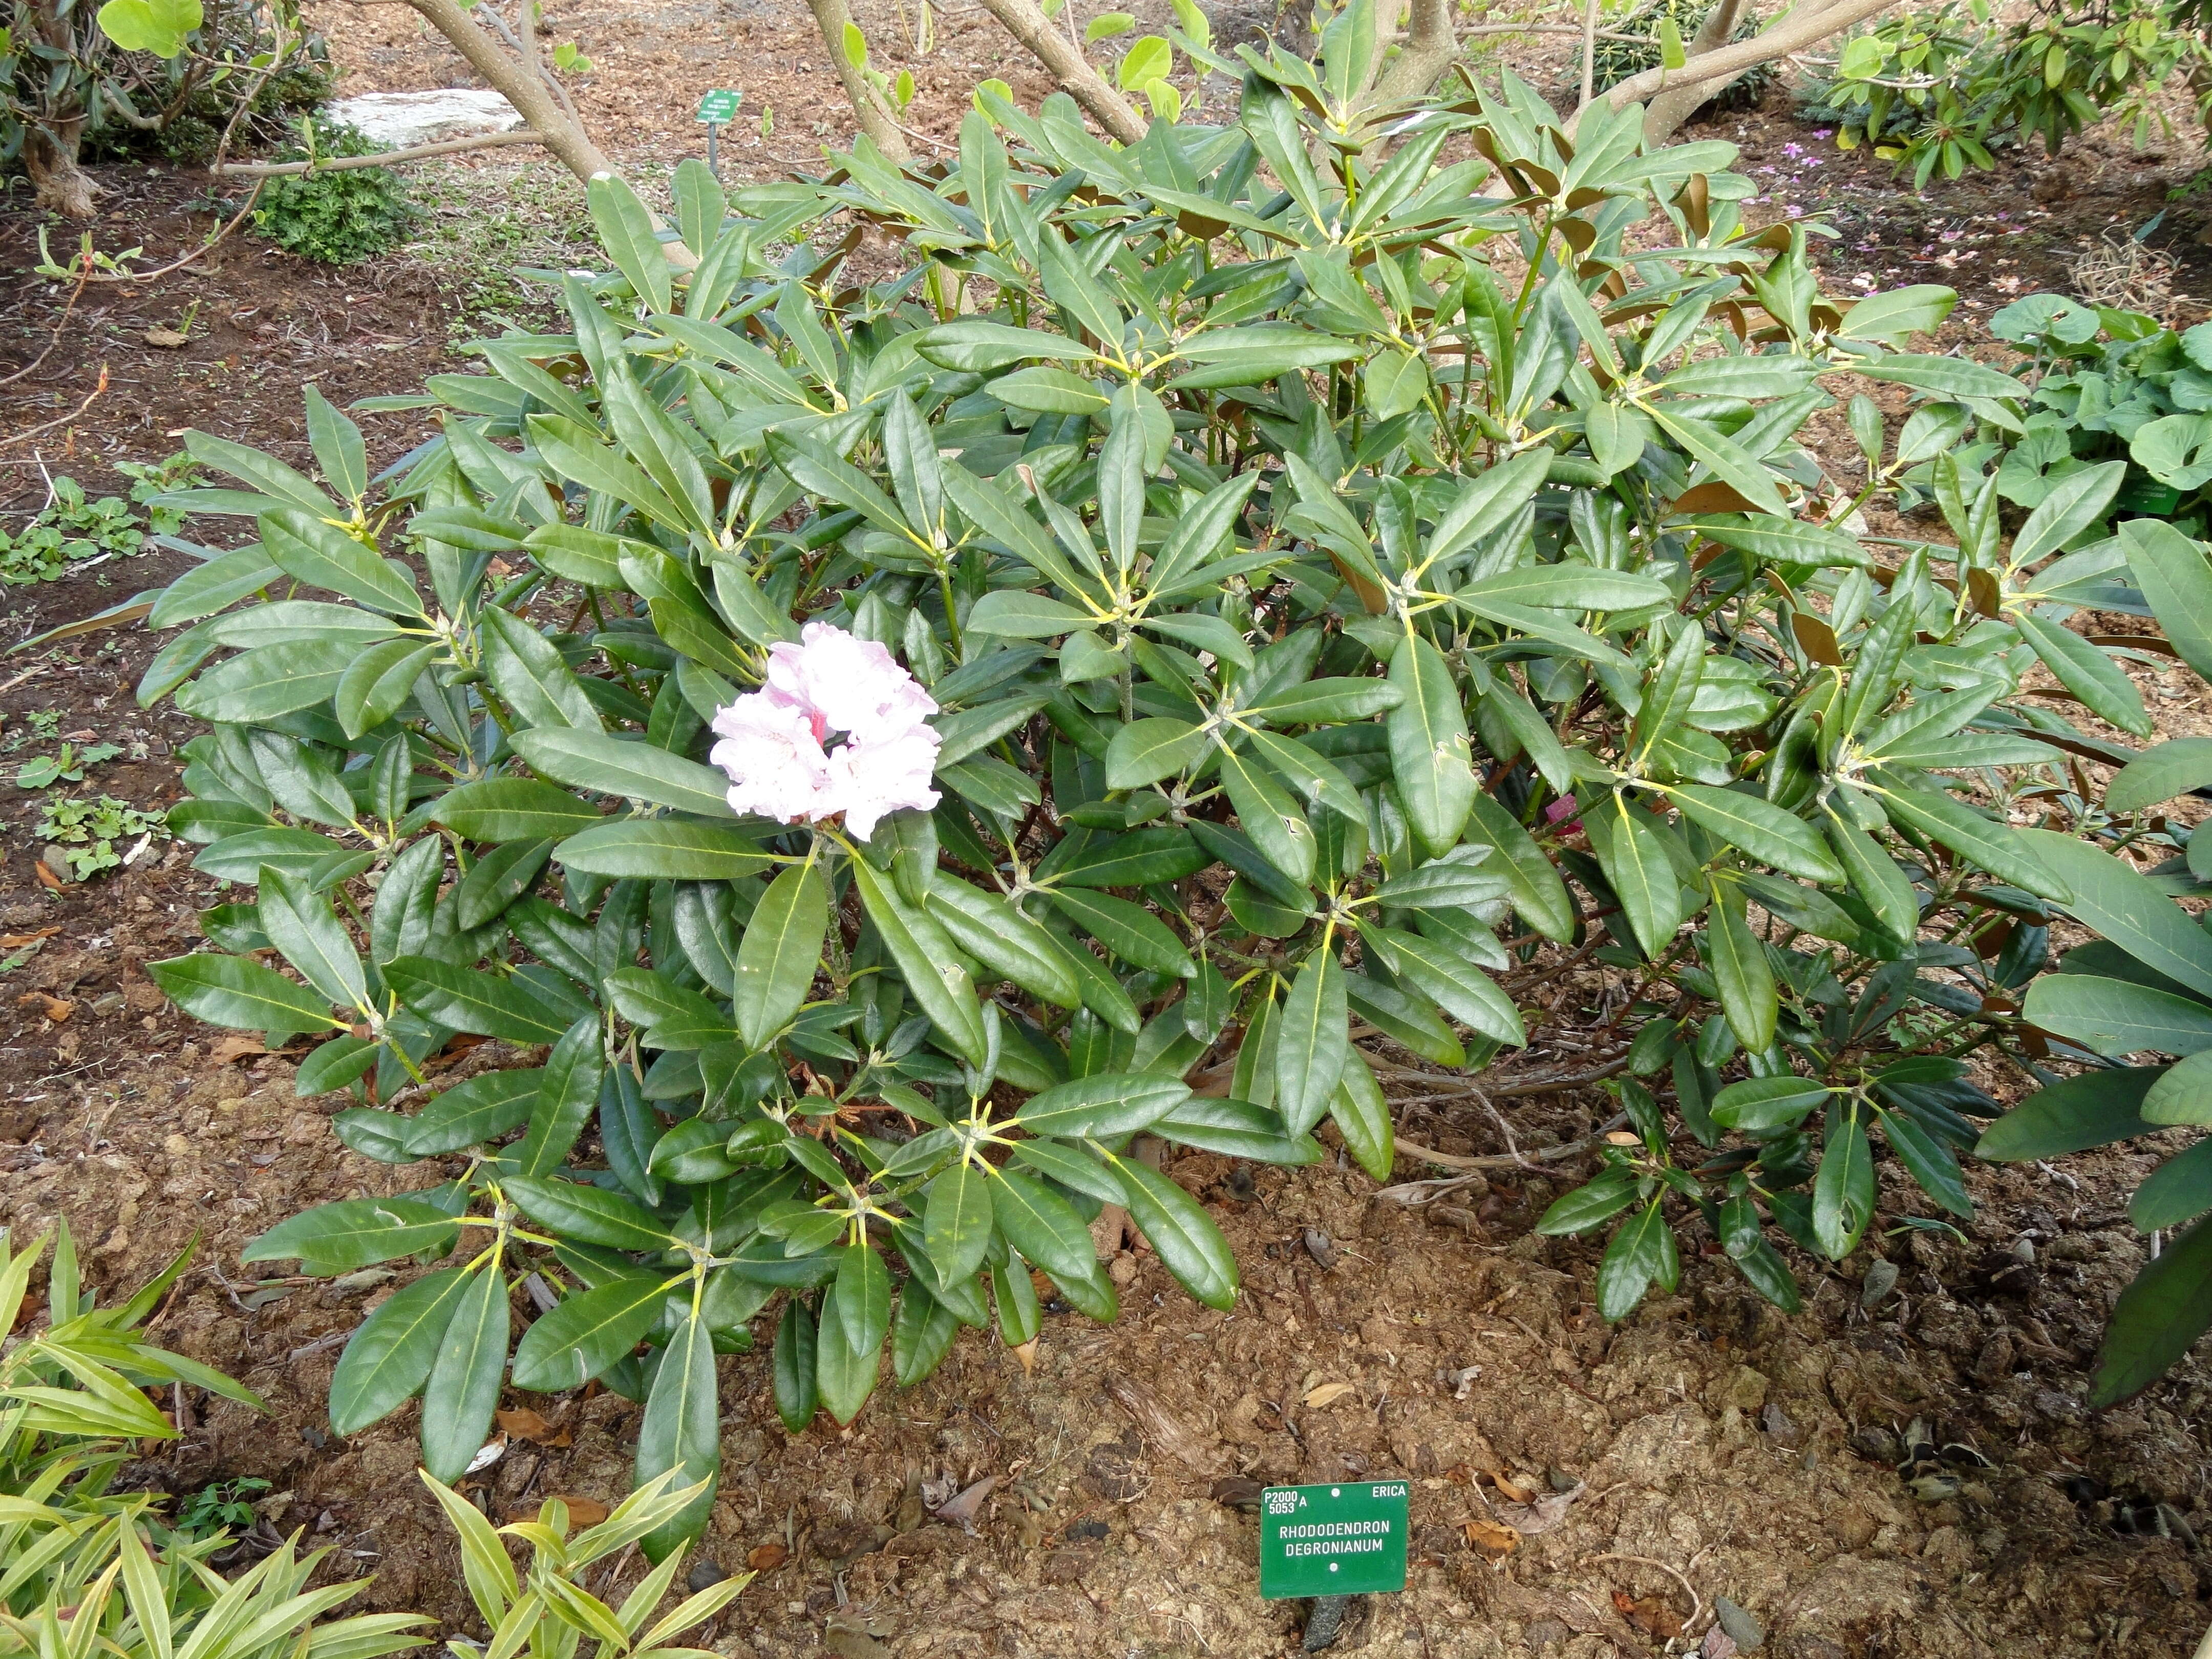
895, 767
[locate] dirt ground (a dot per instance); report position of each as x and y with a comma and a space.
1713, 1447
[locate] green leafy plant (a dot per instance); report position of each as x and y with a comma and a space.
87, 831
84, 1568
71, 528
2141, 990
220, 1505
1313, 574
2104, 385
151, 480
1635, 46
1935, 89
336, 217
546, 1611
65, 765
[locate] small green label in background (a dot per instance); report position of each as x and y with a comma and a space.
1343, 1540
718, 106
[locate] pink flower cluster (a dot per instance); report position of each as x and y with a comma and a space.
772, 740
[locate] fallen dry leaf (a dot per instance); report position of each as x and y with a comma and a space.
1328, 1394
1546, 1513
487, 1455
52, 1007
1493, 1541
231, 1050
1651, 1616
13, 941
523, 1423
1164, 1431
1027, 1353
582, 1511
1508, 1488
767, 1557
962, 1511
167, 339
47, 878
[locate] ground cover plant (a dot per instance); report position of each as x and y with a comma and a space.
334, 217
71, 527
1275, 588
85, 1566
2103, 384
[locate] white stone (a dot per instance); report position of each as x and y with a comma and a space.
399, 118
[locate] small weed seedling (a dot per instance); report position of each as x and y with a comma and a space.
41, 725
72, 528
86, 831
64, 765
220, 1505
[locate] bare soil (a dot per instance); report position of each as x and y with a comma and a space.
1714, 1446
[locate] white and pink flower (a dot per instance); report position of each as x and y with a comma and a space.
774, 742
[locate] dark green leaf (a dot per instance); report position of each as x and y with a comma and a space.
463, 1389
588, 1332
389, 1358
2158, 1318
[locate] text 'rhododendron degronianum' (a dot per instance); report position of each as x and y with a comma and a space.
773, 740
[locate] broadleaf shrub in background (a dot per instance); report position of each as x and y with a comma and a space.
1343, 595
338, 217
1939, 89
2142, 989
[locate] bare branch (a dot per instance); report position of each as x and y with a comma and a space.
1664, 115
1802, 26
1069, 67
15, 438
566, 138
381, 159
198, 253
84, 264
833, 17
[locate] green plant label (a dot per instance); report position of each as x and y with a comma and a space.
718, 107
1347, 1540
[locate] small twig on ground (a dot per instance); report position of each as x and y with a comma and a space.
1697, 1602
198, 253
1512, 1146
320, 1343
1516, 1159
934, 143
61, 420
84, 275
1511, 1089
